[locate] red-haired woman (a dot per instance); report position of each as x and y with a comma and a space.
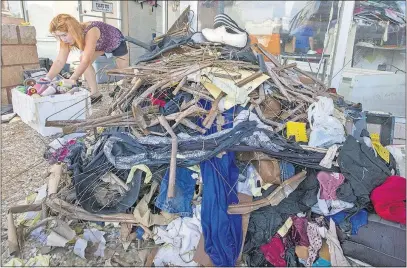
93, 39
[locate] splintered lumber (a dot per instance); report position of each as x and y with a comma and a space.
277, 82
179, 86
213, 112
173, 162
74, 212
123, 98
313, 78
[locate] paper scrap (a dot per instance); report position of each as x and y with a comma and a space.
56, 240
80, 247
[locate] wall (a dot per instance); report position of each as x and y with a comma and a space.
40, 14
143, 22
18, 53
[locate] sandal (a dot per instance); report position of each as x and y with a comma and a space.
95, 99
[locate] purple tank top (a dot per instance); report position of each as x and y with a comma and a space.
110, 36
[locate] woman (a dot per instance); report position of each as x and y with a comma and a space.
93, 39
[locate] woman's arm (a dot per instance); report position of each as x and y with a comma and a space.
59, 63
87, 56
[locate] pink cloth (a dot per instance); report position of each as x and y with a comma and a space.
329, 182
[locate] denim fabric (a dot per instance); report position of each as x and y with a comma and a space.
358, 220
184, 191
287, 170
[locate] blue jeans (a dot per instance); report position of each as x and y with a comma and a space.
181, 203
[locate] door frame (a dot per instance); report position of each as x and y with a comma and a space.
103, 16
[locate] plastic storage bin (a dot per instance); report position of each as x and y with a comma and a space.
34, 111
101, 65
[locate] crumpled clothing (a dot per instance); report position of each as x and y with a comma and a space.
182, 235
389, 199
357, 220
321, 263
330, 207
265, 221
254, 181
329, 182
184, 189
299, 231
335, 249
143, 215
245, 187
222, 232
290, 258
315, 243
287, 170
174, 104
363, 172
125, 151
274, 252
327, 161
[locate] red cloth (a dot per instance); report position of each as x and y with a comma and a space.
274, 252
155, 101
389, 199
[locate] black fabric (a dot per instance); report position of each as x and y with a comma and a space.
166, 44
380, 243
243, 137
363, 172
173, 105
121, 50
239, 54
291, 258
87, 178
265, 222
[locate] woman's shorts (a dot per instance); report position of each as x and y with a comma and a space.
121, 50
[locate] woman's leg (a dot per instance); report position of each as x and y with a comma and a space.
122, 61
90, 74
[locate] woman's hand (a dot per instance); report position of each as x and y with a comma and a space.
71, 82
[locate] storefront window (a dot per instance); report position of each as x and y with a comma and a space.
291, 30
292, 26
379, 33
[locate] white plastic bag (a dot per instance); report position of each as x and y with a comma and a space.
326, 130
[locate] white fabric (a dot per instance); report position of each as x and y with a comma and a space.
326, 162
329, 207
180, 239
335, 249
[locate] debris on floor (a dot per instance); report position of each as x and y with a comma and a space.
215, 156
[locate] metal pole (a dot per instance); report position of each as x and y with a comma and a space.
80, 11
221, 7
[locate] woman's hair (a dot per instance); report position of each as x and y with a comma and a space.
68, 24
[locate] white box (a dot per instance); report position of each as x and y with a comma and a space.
35, 111
377, 91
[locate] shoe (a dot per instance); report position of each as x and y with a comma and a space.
95, 99
228, 22
220, 35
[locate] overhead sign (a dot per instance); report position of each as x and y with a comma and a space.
101, 6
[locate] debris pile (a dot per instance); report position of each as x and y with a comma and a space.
218, 156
